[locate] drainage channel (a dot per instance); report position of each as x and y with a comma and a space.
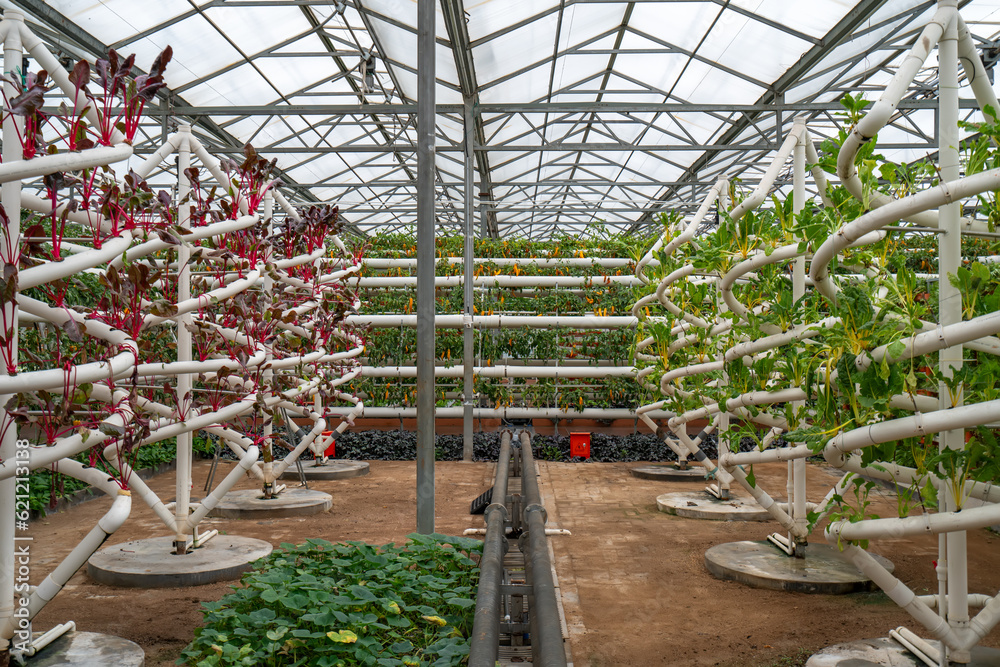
518, 612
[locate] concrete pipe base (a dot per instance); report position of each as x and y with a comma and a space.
763, 565
250, 504
331, 470
89, 649
152, 564
669, 472
889, 653
703, 505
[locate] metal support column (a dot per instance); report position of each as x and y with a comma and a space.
468, 390
425, 265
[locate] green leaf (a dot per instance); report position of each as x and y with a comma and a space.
342, 637
464, 603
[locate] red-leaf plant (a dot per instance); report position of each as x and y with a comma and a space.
28, 104
10, 255
249, 181
115, 76
305, 235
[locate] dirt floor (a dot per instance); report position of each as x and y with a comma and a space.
634, 586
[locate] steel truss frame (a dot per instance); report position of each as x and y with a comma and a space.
540, 166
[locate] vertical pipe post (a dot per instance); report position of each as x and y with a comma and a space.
950, 312
468, 389
798, 503
425, 264
184, 383
10, 195
723, 479
267, 429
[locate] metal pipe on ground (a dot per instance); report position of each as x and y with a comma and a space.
484, 649
547, 647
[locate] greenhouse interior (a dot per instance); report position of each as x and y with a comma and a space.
564, 332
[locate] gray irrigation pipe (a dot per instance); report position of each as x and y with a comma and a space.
485, 642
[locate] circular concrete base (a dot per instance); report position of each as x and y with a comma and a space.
888, 653
763, 565
669, 472
703, 505
331, 470
89, 649
250, 504
152, 564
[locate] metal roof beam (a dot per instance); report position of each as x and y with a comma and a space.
856, 16
168, 100
461, 48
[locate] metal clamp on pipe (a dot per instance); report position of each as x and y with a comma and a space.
535, 507
496, 507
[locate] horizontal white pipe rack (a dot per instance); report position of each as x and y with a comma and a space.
497, 321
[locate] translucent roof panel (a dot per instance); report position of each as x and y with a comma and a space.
112, 21
579, 110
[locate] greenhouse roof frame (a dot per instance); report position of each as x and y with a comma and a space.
581, 111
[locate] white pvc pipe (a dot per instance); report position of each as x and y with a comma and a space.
504, 371
197, 233
74, 264
975, 72
907, 427
10, 197
502, 413
112, 520
46, 164
938, 195
211, 163
950, 312
377, 263
185, 443
502, 281
213, 499
188, 304
770, 176
34, 45
881, 112
897, 591
797, 467
496, 321
89, 372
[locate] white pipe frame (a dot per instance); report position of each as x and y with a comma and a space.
115, 252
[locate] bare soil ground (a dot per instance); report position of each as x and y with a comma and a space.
634, 586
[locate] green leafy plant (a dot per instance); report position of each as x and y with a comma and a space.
334, 605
